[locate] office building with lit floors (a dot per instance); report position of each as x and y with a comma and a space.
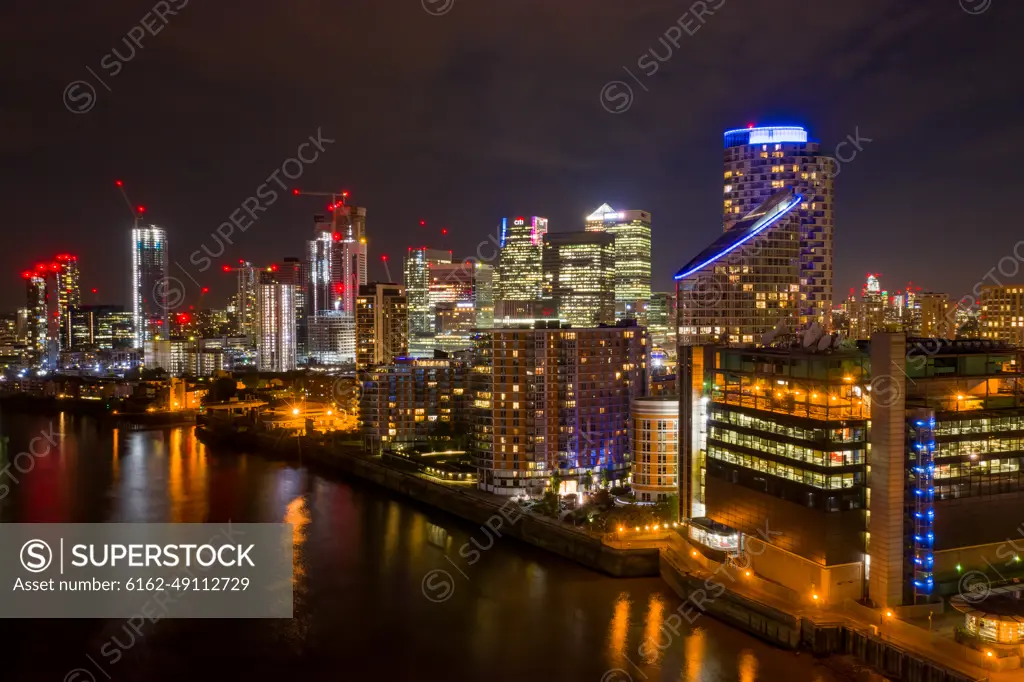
554, 399
518, 281
654, 443
579, 277
781, 441
747, 281
760, 161
1002, 313
632, 233
382, 324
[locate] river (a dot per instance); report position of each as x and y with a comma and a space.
361, 557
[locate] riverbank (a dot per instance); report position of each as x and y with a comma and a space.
461, 500
99, 410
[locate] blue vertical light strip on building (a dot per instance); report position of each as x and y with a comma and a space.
504, 228
923, 444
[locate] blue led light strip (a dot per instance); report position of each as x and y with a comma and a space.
923, 444
765, 222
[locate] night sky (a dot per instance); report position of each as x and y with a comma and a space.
458, 112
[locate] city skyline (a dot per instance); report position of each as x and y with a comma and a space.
522, 162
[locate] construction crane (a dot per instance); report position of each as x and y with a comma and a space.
136, 211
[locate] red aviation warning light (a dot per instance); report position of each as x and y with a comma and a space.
384, 258
273, 267
444, 230
423, 223
118, 183
184, 318
95, 291
227, 268
204, 290
336, 236
296, 192
27, 274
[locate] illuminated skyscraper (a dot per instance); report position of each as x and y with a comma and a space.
293, 272
275, 335
337, 260
247, 309
151, 290
632, 231
519, 281
68, 295
579, 277
417, 286
37, 318
382, 324
761, 161
350, 225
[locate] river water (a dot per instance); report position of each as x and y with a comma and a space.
371, 602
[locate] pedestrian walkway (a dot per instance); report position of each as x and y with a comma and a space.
935, 648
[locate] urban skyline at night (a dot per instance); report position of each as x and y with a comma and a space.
598, 342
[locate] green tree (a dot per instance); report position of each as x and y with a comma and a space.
222, 390
588, 481
556, 481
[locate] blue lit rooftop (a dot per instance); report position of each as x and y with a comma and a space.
764, 135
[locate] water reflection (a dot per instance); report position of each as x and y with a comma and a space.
653, 637
359, 559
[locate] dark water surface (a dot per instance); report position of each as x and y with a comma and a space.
361, 556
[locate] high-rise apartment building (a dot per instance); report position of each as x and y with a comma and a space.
68, 295
275, 328
520, 278
554, 399
759, 162
417, 286
1002, 313
382, 324
632, 232
293, 272
579, 277
405, 403
747, 281
37, 331
151, 291
247, 310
